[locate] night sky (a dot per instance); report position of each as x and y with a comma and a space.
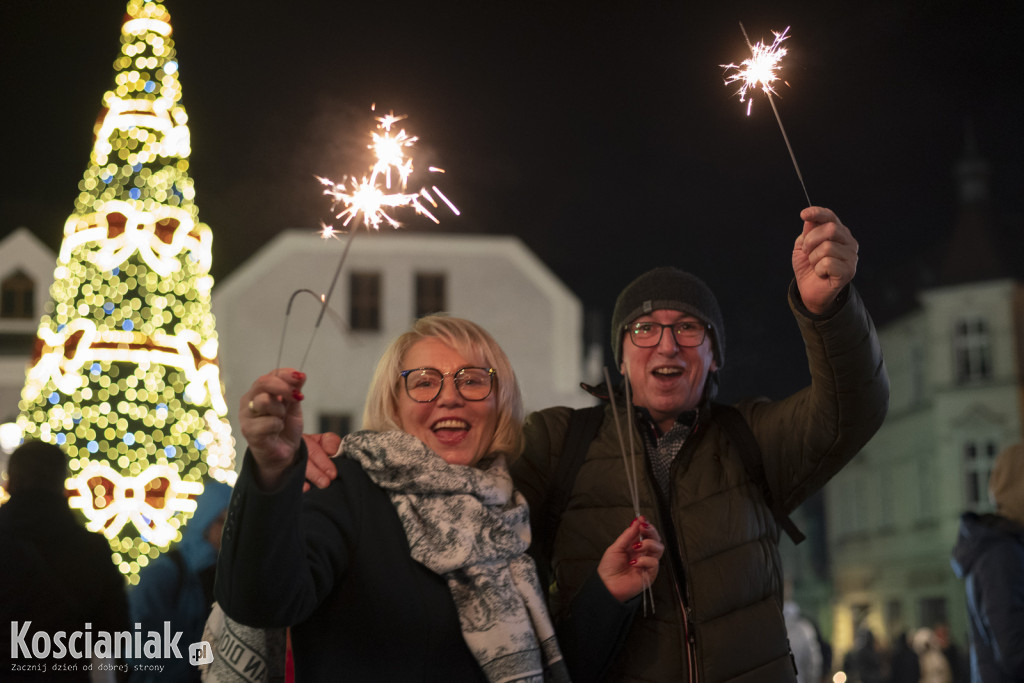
599, 133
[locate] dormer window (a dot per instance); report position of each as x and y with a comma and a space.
17, 296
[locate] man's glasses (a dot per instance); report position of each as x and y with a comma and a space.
424, 384
685, 333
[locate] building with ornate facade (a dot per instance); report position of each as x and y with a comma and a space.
955, 366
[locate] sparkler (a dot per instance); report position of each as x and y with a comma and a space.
760, 71
629, 461
369, 200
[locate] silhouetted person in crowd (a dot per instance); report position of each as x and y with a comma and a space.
866, 664
54, 574
989, 555
904, 666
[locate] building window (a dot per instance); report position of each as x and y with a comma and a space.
850, 516
336, 423
17, 344
894, 616
932, 612
978, 457
859, 613
917, 375
364, 301
925, 492
17, 294
430, 294
972, 346
886, 495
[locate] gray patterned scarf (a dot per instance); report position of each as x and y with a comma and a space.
468, 525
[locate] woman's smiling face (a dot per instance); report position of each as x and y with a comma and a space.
458, 430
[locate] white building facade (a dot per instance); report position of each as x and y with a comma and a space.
388, 280
26, 273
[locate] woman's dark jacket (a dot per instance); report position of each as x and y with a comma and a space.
718, 597
335, 565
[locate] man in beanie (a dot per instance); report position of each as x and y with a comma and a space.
718, 607
989, 555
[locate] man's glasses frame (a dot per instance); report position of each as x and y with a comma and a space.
686, 333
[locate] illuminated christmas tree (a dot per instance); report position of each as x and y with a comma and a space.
124, 375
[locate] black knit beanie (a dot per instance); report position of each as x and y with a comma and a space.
672, 289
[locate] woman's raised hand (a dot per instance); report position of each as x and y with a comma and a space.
271, 419
630, 563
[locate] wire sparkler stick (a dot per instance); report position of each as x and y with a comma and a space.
325, 298
760, 71
628, 457
288, 312
367, 201
630, 465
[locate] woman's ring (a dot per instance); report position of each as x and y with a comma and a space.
252, 408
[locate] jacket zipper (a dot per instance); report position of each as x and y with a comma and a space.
688, 636
678, 575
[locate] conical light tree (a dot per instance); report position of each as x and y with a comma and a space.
124, 375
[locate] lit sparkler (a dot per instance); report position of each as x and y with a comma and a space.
369, 200
760, 71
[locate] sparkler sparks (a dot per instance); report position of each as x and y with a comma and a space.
368, 200
327, 231
760, 69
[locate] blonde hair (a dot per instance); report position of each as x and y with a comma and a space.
471, 341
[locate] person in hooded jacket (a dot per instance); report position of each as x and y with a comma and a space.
989, 556
178, 586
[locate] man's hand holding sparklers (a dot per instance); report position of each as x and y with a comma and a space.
824, 258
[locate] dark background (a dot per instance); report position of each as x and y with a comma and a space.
599, 133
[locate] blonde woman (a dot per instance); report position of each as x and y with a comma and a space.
411, 564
